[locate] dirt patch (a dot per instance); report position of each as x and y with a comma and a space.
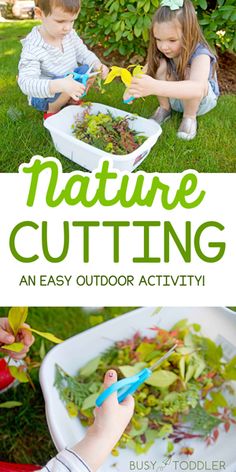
226, 71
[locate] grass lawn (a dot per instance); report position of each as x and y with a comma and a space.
24, 436
23, 135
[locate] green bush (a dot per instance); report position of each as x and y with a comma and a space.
123, 25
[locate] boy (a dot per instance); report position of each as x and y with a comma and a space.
50, 51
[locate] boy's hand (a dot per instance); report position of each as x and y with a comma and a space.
104, 72
67, 85
104, 69
7, 337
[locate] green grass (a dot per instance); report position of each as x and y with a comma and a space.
23, 135
24, 434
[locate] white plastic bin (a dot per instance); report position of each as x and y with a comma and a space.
87, 156
217, 323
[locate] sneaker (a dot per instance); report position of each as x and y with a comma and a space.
161, 115
47, 115
187, 129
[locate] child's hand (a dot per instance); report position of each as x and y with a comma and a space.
110, 422
112, 417
101, 67
72, 87
143, 86
6, 337
104, 71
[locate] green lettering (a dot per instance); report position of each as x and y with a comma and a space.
116, 236
219, 245
86, 225
12, 242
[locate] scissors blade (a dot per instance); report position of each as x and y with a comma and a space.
163, 358
92, 74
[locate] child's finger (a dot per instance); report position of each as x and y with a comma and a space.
109, 379
5, 337
128, 402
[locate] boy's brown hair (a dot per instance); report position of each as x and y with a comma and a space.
69, 6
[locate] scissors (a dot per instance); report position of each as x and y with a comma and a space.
83, 78
129, 385
128, 100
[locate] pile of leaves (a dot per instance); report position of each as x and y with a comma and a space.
188, 396
108, 133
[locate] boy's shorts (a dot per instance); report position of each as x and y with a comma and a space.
207, 103
41, 104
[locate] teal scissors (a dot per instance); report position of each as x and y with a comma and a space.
84, 77
129, 385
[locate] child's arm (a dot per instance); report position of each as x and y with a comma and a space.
32, 84
110, 422
194, 87
85, 56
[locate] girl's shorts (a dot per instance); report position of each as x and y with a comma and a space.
207, 103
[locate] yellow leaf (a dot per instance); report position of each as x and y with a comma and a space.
15, 347
48, 336
138, 70
20, 375
126, 77
16, 318
115, 72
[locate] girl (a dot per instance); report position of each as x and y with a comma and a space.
180, 67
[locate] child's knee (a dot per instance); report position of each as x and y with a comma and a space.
161, 73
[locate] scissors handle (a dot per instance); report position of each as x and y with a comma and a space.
128, 100
124, 387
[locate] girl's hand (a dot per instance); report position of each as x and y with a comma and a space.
143, 86
6, 337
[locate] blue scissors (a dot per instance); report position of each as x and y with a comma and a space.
128, 100
83, 77
129, 385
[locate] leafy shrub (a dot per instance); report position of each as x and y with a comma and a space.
123, 25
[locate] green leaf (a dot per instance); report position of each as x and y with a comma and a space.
129, 370
20, 375
89, 402
17, 317
230, 369
165, 430
189, 373
180, 325
72, 409
170, 447
10, 404
139, 427
162, 379
203, 4
90, 367
48, 336
196, 327
219, 399
14, 347
144, 349
182, 367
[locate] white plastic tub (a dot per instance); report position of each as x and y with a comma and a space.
88, 156
217, 323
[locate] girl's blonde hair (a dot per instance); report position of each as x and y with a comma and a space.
191, 36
